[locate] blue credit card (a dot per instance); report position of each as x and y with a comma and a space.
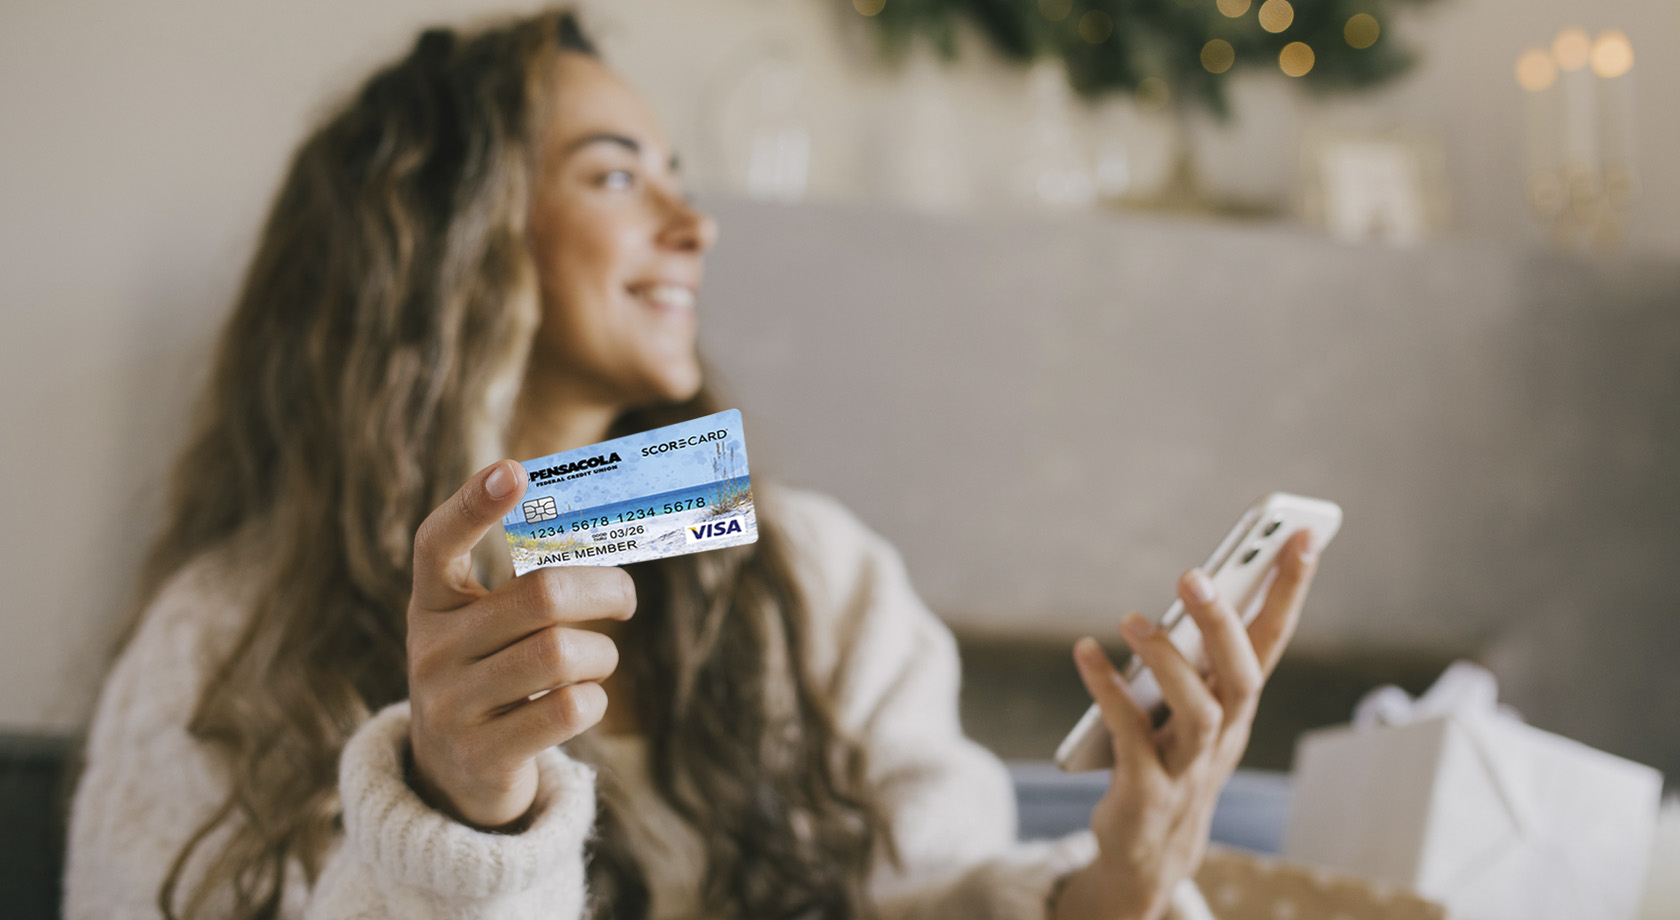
679, 489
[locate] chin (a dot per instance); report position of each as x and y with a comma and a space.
688, 387
674, 384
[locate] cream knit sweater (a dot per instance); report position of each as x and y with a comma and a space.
890, 665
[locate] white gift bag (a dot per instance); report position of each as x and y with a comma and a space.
1470, 807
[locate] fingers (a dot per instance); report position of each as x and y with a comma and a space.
552, 719
1237, 677
1276, 621
1128, 725
484, 753
544, 660
479, 708
543, 598
443, 545
1197, 718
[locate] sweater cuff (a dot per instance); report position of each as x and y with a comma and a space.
391, 829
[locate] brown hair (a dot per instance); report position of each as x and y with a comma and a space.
369, 366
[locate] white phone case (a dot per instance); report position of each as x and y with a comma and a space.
1241, 569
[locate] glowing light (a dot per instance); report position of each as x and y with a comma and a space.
1612, 54
1572, 48
1095, 27
1536, 70
1362, 30
1218, 56
869, 7
1276, 15
1153, 94
1296, 59
1055, 10
1234, 8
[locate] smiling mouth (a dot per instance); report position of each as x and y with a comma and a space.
665, 296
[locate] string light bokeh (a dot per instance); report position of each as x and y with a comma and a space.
1096, 26
1218, 56
1361, 31
1612, 54
1582, 174
1153, 94
1276, 15
1296, 59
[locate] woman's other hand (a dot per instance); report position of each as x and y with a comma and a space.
477, 657
1152, 824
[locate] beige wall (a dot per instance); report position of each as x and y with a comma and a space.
141, 141
1053, 418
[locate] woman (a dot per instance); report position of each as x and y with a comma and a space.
324, 711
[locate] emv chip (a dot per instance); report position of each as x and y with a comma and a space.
541, 509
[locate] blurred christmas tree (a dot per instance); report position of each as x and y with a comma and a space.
1164, 49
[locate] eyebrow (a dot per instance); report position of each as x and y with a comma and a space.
620, 140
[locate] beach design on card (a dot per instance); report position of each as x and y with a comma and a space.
684, 488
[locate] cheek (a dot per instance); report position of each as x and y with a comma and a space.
582, 252
578, 267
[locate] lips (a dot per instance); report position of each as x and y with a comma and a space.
665, 296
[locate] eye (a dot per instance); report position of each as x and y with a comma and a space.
616, 179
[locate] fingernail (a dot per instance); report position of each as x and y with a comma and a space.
1306, 555
1201, 589
1086, 649
500, 482
1134, 626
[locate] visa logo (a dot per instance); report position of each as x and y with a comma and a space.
713, 529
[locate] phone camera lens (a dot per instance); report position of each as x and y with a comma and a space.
1249, 556
1271, 528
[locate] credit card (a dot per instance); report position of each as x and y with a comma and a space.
679, 489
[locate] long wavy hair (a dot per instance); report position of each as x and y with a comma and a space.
370, 365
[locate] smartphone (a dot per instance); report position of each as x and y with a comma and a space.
1242, 569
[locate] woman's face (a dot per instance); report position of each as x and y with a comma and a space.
618, 248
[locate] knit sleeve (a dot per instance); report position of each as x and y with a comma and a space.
400, 858
145, 786
892, 666
148, 786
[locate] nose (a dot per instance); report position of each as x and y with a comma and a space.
689, 229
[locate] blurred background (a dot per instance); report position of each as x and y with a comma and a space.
1046, 290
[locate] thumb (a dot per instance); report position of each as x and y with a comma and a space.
443, 545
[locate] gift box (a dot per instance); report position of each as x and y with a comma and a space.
1472, 808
